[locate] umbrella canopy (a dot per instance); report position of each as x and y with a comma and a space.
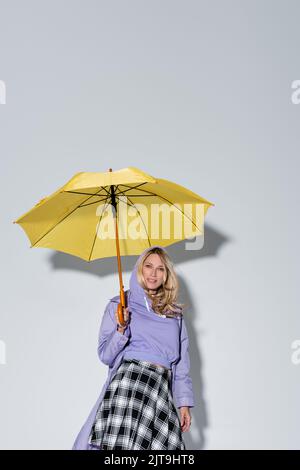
98, 215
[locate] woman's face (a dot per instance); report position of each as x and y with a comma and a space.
153, 271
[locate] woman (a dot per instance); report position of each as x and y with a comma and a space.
148, 363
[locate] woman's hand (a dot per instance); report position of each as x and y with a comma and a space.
185, 418
126, 319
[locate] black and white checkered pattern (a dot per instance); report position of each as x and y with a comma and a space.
137, 411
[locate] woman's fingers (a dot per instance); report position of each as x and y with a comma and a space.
185, 421
125, 314
185, 426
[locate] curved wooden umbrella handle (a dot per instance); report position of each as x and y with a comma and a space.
121, 307
121, 319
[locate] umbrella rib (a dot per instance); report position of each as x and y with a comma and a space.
52, 228
102, 187
107, 192
85, 194
122, 192
132, 205
97, 231
170, 202
137, 195
132, 187
91, 203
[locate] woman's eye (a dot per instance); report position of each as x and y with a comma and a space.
149, 266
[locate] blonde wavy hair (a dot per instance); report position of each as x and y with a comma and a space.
164, 301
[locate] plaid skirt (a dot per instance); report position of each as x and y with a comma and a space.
137, 411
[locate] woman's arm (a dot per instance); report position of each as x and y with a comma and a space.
183, 386
110, 340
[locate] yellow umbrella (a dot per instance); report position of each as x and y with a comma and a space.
96, 214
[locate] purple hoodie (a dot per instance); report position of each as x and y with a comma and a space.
147, 337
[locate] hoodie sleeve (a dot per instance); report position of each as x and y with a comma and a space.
110, 340
183, 386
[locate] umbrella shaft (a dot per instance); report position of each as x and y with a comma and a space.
113, 201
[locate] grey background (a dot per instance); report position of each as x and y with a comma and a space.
198, 92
